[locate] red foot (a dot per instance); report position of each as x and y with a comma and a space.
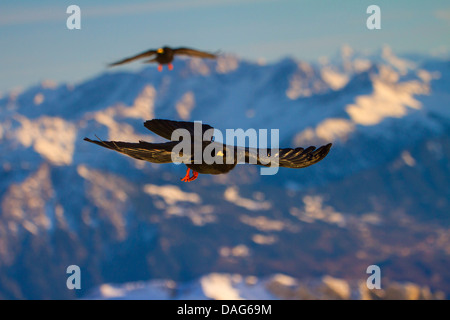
189, 179
170, 66
160, 67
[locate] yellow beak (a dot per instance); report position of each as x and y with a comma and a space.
160, 50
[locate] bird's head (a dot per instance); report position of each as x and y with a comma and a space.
160, 50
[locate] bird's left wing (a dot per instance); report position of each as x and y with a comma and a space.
165, 128
152, 152
194, 53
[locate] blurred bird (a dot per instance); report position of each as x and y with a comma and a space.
162, 152
165, 55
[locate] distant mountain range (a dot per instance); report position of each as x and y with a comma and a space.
220, 286
382, 195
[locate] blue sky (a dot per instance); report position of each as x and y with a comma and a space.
36, 45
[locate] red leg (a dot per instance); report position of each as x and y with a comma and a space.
170, 66
160, 67
194, 176
187, 178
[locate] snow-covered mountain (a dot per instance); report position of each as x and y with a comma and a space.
380, 197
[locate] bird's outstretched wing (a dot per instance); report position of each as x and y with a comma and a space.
152, 152
165, 128
194, 53
287, 157
138, 56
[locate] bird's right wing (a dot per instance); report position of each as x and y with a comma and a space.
287, 157
152, 152
194, 53
138, 56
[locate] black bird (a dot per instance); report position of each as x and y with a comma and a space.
162, 152
165, 55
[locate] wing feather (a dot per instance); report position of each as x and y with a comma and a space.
151, 152
288, 157
138, 56
165, 128
194, 53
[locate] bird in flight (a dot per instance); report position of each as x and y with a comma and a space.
228, 156
165, 55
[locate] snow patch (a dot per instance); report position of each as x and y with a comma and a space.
118, 130
38, 99
263, 239
143, 106
402, 65
152, 290
315, 211
237, 251
198, 66
199, 216
26, 203
226, 64
333, 78
305, 82
49, 84
408, 159
185, 105
232, 195
171, 194
263, 223
53, 138
387, 100
219, 287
